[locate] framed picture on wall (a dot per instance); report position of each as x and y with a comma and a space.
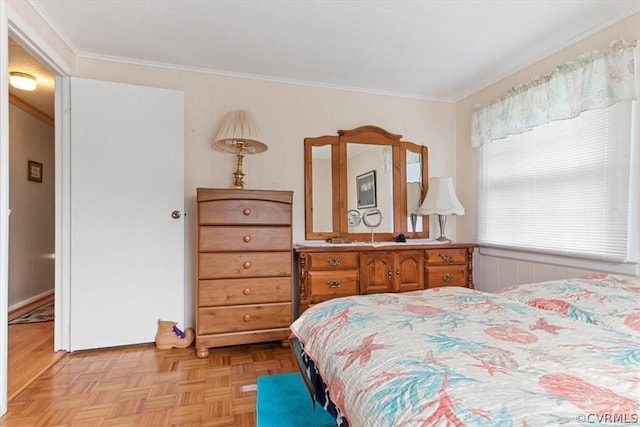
366, 186
35, 171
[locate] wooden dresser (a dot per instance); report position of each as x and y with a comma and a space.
329, 271
244, 275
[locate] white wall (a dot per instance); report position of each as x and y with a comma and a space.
31, 224
494, 272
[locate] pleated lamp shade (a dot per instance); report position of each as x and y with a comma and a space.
239, 131
238, 134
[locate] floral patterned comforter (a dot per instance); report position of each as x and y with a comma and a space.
611, 301
458, 357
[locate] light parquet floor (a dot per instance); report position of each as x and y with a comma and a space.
30, 350
143, 386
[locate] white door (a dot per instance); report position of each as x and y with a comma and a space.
127, 177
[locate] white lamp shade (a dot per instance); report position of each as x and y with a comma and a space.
239, 127
414, 193
441, 198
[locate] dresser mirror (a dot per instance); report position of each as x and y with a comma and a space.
359, 169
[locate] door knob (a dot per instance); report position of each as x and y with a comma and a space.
176, 214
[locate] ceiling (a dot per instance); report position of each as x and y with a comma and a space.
430, 49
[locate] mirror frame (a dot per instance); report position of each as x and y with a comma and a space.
368, 134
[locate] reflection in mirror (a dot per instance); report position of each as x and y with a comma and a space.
322, 189
414, 191
362, 159
354, 217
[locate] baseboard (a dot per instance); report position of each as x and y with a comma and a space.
28, 301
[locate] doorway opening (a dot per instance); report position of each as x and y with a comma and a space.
32, 221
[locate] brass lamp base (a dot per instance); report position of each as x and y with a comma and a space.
238, 182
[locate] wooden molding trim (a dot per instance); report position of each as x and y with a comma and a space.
30, 109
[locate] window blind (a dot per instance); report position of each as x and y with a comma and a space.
563, 187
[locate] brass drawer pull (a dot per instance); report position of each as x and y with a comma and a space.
446, 257
246, 239
246, 265
247, 317
447, 277
333, 261
246, 211
246, 291
397, 271
333, 283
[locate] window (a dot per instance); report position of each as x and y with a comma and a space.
563, 187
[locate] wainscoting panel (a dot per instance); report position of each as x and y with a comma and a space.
492, 273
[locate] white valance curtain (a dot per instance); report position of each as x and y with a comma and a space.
597, 79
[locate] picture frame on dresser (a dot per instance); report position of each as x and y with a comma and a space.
366, 190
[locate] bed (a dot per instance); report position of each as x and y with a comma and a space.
458, 357
611, 301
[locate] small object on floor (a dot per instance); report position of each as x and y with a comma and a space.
169, 336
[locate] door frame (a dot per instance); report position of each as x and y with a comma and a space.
11, 24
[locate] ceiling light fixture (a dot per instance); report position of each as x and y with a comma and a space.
22, 81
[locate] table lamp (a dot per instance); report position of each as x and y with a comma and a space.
441, 199
238, 134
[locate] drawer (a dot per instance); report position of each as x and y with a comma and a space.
446, 256
244, 212
218, 238
332, 283
244, 318
244, 291
332, 261
244, 264
447, 276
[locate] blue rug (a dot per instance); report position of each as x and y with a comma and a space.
283, 401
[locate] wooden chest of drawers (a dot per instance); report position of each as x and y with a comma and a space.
326, 272
245, 287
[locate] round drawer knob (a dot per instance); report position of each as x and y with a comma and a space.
246, 211
247, 291
246, 265
246, 239
247, 317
